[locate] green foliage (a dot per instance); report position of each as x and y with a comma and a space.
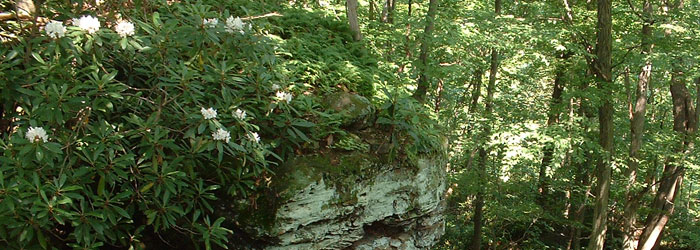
351, 142
410, 124
322, 53
130, 152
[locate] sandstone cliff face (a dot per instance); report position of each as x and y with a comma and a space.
363, 205
350, 195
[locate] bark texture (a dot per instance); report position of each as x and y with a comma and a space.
603, 71
685, 124
629, 218
351, 8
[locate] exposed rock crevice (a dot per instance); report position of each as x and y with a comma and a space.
392, 208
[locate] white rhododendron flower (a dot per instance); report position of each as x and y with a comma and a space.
221, 135
284, 96
55, 29
209, 113
235, 24
87, 23
210, 22
36, 134
254, 137
275, 87
239, 114
124, 28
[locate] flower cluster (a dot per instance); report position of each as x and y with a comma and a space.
37, 134
124, 28
90, 24
235, 24
284, 96
55, 29
210, 22
209, 113
221, 135
239, 114
254, 137
87, 23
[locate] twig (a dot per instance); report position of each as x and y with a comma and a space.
272, 14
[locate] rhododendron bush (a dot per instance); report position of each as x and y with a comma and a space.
124, 128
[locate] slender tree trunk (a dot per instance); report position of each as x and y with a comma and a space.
697, 99
390, 15
423, 81
483, 154
387, 11
552, 118
603, 171
582, 179
483, 151
629, 218
478, 217
438, 99
371, 10
351, 8
684, 123
476, 92
578, 203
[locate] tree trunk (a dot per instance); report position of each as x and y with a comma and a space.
478, 216
438, 98
483, 151
684, 123
351, 8
423, 81
629, 218
603, 171
390, 15
476, 92
388, 11
582, 179
552, 118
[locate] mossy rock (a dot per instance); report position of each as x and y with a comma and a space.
336, 168
357, 111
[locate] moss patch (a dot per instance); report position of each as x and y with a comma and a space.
339, 169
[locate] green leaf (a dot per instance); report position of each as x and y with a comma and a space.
123, 42
39, 154
38, 58
42, 240
156, 19
101, 186
303, 123
147, 187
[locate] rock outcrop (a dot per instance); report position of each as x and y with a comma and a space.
354, 200
357, 112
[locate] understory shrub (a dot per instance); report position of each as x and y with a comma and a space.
119, 128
